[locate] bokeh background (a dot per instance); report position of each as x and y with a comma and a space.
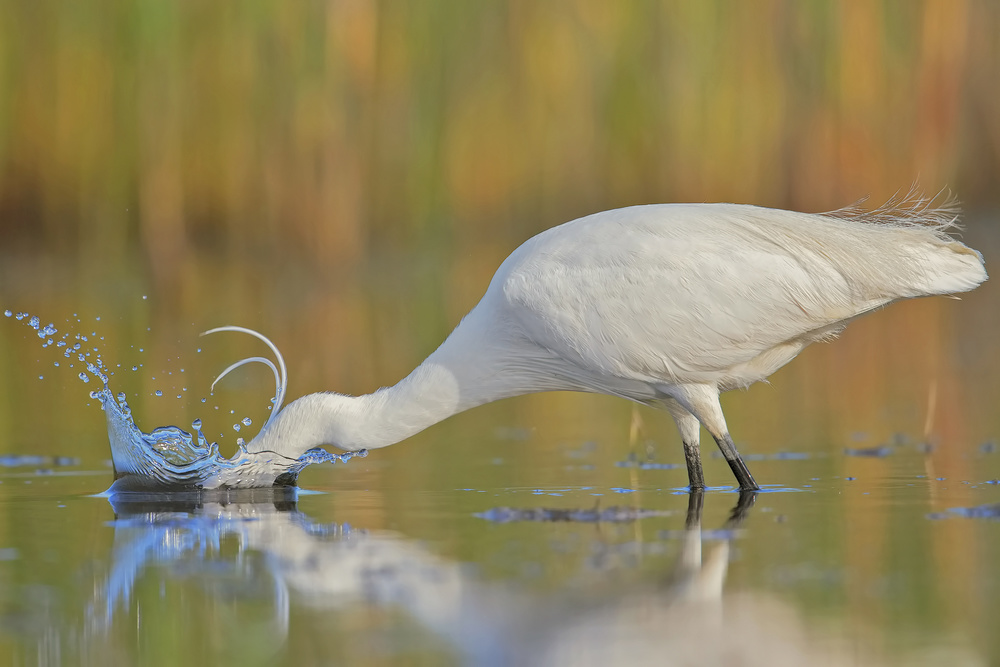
326, 132
345, 176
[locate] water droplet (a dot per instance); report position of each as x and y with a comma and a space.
178, 395
240, 442
199, 349
204, 400
196, 424
7, 313
34, 322
236, 427
41, 377
83, 376
158, 393
144, 297
61, 343
135, 368
246, 421
56, 363
98, 318
21, 316
121, 396
94, 394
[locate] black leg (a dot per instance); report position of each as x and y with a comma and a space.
696, 478
735, 462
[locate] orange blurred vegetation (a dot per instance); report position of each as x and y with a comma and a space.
327, 131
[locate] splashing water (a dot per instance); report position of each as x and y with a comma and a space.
169, 458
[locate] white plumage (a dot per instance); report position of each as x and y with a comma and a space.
666, 305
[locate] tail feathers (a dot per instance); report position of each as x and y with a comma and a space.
952, 268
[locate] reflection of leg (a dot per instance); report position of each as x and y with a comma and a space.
742, 509
696, 501
689, 428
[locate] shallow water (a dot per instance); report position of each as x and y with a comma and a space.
533, 531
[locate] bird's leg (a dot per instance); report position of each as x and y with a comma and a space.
692, 455
689, 428
735, 461
702, 401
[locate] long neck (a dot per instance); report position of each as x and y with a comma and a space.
473, 366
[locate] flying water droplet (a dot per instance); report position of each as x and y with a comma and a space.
246, 421
83, 376
158, 393
7, 313
196, 424
236, 427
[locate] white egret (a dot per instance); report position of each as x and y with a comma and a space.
665, 305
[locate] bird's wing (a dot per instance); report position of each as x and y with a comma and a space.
656, 300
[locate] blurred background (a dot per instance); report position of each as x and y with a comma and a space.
345, 176
328, 132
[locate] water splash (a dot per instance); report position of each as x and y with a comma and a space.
170, 458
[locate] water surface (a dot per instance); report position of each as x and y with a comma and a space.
537, 530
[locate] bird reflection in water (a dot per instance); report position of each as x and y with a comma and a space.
285, 559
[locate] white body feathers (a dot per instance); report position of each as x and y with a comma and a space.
662, 304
